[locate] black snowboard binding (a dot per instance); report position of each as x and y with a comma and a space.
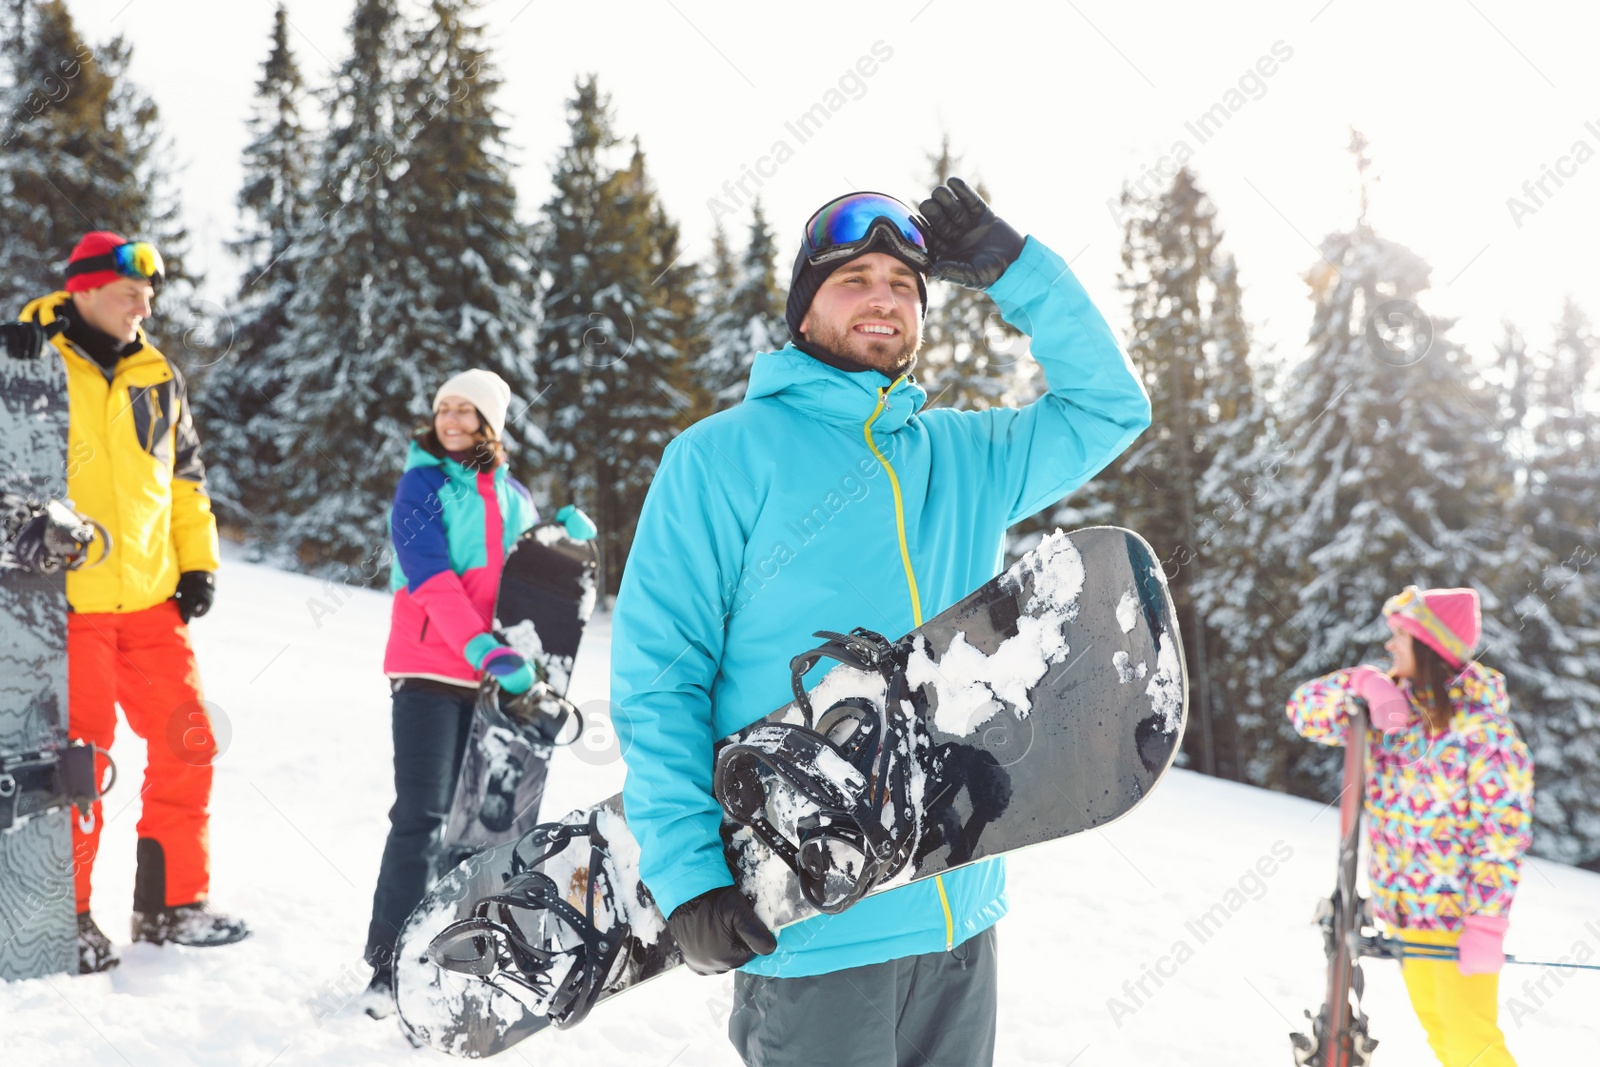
845, 779
533, 936
49, 536
541, 714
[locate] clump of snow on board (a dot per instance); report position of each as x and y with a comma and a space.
1127, 611
967, 683
1166, 686
1126, 672
524, 638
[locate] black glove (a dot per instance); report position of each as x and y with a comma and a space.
24, 340
719, 930
971, 246
196, 591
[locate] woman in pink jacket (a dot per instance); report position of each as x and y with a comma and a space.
1449, 805
457, 512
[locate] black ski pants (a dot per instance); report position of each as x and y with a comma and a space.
432, 724
934, 1010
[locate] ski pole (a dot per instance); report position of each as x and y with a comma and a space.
1395, 948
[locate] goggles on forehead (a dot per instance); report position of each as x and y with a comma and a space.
1407, 598
852, 224
138, 260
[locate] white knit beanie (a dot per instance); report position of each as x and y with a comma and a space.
488, 392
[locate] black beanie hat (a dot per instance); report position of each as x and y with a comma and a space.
806, 280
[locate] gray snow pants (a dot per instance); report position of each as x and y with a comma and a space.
935, 1010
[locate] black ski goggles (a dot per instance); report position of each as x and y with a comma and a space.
853, 224
139, 260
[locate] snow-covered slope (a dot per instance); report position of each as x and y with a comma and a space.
1180, 935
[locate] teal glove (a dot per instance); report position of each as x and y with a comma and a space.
505, 663
579, 526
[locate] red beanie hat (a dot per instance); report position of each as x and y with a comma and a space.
94, 243
1446, 620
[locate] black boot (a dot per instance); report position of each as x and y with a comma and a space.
184, 924
378, 999
194, 924
95, 951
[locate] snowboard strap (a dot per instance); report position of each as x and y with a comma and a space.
848, 772
509, 934
541, 714
44, 781
48, 537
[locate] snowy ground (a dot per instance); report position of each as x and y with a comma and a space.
302, 792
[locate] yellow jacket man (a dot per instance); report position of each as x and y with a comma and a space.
133, 465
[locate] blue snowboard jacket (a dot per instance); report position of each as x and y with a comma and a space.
828, 500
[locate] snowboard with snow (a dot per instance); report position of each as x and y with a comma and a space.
38, 930
1048, 702
1339, 1036
546, 595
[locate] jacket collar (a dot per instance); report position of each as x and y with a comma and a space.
43, 311
832, 395
417, 456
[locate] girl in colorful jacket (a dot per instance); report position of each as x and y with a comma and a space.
457, 511
1449, 805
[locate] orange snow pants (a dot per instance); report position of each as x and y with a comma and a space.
1458, 1012
142, 661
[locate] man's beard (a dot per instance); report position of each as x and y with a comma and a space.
891, 356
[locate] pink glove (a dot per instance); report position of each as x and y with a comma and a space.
1388, 708
1481, 949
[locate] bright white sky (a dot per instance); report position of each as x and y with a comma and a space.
1054, 105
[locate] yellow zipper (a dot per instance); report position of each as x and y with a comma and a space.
899, 505
916, 602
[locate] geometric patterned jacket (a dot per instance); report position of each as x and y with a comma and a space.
1448, 817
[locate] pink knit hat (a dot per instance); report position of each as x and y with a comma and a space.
1446, 620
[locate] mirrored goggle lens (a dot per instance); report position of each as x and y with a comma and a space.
139, 259
850, 218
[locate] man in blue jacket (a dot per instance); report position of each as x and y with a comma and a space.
829, 500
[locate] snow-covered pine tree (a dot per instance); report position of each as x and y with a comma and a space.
355, 384
1550, 627
1391, 475
1188, 338
617, 316
971, 358
742, 311
235, 402
469, 249
80, 149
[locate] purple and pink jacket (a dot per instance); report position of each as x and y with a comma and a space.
450, 528
1448, 817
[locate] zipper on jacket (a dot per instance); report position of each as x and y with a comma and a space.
899, 504
916, 601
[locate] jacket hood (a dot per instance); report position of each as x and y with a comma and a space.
832, 395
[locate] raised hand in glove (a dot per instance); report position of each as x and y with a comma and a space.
971, 245
719, 930
196, 591
1387, 707
24, 340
